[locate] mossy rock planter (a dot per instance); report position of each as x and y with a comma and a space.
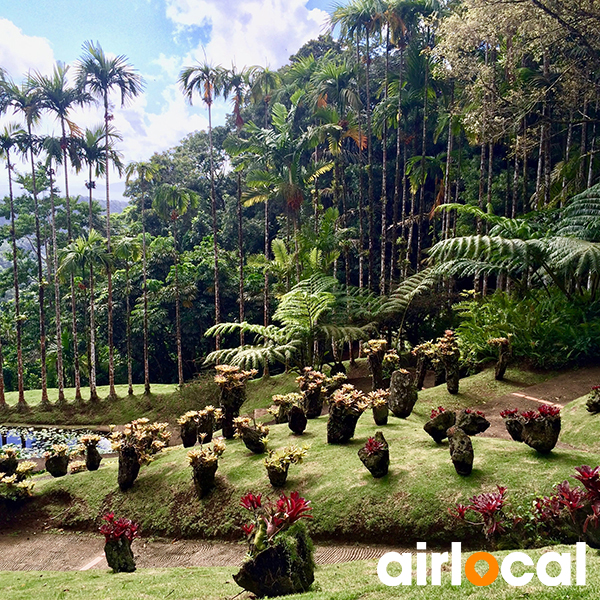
9, 465
204, 477
471, 423
461, 451
377, 462
231, 402
439, 425
514, 428
340, 425
278, 475
381, 414
92, 458
254, 440
297, 420
57, 466
189, 434
283, 414
206, 426
313, 404
119, 555
403, 394
593, 403
286, 567
129, 468
542, 434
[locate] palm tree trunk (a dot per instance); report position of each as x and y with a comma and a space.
371, 192
447, 186
128, 309
213, 208
240, 254
60, 375
112, 392
361, 188
384, 233
21, 405
45, 403
423, 174
78, 396
145, 293
177, 311
2, 398
93, 389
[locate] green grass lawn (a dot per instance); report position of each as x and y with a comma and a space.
410, 503
580, 428
348, 581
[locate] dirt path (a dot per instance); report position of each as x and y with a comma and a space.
81, 552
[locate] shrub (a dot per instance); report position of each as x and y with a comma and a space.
147, 439
489, 506
16, 487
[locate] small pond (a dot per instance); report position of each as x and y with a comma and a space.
32, 442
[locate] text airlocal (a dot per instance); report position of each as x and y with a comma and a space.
504, 569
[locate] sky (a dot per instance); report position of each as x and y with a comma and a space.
159, 38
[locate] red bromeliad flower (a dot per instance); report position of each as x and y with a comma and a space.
509, 412
549, 411
468, 411
529, 415
248, 528
115, 529
568, 497
459, 512
437, 411
372, 446
590, 478
294, 507
251, 502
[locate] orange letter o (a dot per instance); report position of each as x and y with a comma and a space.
473, 576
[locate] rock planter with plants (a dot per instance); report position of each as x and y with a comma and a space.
283, 403
232, 383
297, 419
504, 354
439, 422
8, 461
254, 436
541, 428
57, 460
391, 363
89, 445
118, 536
137, 444
188, 428
345, 408
461, 450
375, 455
205, 462
449, 353
333, 383
472, 421
425, 354
593, 402
209, 421
278, 463
403, 394
378, 401
375, 351
513, 423
280, 559
311, 383
16, 487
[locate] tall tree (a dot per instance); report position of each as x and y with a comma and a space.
207, 81
171, 202
99, 75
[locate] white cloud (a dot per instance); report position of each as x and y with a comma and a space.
248, 32
20, 53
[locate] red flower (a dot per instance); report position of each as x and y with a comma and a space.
248, 528
509, 412
373, 446
437, 411
115, 529
251, 502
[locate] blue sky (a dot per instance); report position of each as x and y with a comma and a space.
158, 37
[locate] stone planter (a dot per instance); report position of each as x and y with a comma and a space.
189, 434
206, 426
92, 458
592, 534
403, 394
119, 555
380, 414
377, 462
286, 567
541, 434
253, 440
283, 414
297, 420
278, 475
375, 360
8, 465
129, 467
593, 403
471, 423
439, 372
514, 428
231, 402
438, 426
461, 451
313, 403
204, 477
57, 466
340, 425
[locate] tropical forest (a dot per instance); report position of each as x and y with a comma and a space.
381, 269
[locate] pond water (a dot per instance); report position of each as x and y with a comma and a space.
32, 442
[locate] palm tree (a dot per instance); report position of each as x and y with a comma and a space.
171, 202
99, 74
9, 138
127, 250
54, 155
208, 82
83, 256
145, 172
25, 99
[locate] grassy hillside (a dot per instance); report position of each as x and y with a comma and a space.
349, 581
